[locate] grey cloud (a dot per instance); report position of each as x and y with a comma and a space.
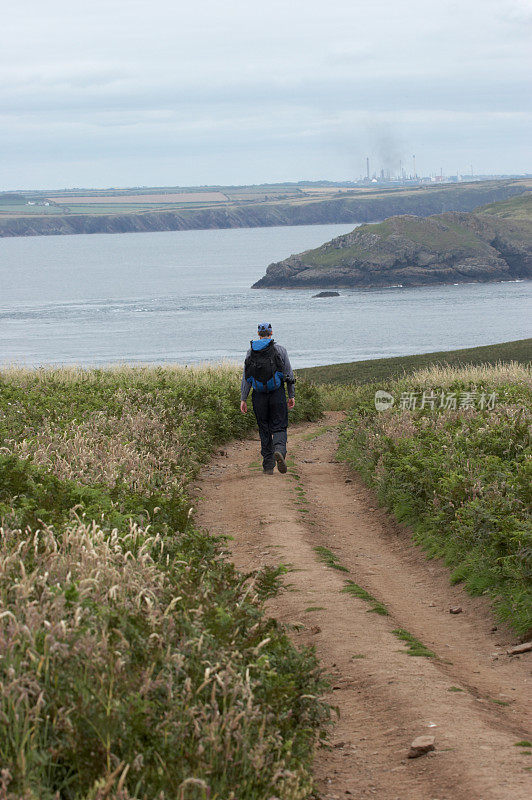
381, 92
270, 86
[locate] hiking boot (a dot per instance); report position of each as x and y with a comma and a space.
281, 463
268, 471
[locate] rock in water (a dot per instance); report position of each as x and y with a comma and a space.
327, 294
420, 746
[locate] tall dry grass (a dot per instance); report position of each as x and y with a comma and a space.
342, 396
476, 375
137, 448
135, 662
110, 666
123, 374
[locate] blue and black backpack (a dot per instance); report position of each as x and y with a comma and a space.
263, 366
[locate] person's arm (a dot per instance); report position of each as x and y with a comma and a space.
245, 388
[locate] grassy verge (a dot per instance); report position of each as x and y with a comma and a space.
355, 590
329, 558
413, 646
460, 477
377, 369
135, 661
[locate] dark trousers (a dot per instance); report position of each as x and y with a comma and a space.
271, 411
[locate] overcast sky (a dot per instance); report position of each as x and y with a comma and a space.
167, 92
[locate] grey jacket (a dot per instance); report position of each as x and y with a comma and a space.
288, 373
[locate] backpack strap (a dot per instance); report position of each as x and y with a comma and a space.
278, 362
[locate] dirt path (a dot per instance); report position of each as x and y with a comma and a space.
473, 698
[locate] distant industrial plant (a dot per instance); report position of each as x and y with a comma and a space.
404, 175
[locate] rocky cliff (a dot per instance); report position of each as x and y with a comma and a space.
345, 208
407, 250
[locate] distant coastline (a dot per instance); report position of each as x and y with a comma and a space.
346, 207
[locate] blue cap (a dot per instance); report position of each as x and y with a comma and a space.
265, 327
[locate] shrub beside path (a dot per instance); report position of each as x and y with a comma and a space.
460, 686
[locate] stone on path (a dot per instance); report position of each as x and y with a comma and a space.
420, 746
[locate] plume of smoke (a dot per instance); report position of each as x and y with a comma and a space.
389, 150
386, 148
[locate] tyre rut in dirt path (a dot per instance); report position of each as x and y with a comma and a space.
472, 697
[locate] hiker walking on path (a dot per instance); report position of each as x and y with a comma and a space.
266, 370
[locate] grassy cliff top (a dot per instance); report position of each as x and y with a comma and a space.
133, 201
460, 233
443, 232
377, 369
515, 208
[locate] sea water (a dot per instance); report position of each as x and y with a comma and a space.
185, 296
